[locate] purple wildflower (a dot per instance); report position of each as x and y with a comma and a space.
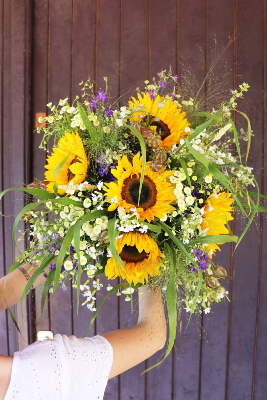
151, 94
101, 95
173, 96
160, 74
103, 170
175, 78
170, 72
93, 104
108, 112
202, 263
162, 84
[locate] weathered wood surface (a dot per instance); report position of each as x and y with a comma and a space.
129, 42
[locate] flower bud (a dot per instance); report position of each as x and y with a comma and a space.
221, 290
155, 165
212, 282
153, 139
160, 155
220, 272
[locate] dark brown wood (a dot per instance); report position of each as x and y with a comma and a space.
59, 87
39, 101
260, 355
246, 257
219, 48
4, 339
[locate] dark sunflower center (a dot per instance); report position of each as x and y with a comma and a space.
130, 254
130, 192
162, 129
70, 174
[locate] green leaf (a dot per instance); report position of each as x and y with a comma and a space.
182, 248
197, 155
35, 275
249, 132
252, 216
77, 238
171, 305
92, 131
47, 285
183, 164
196, 132
111, 235
43, 194
152, 227
68, 238
58, 168
257, 194
219, 239
236, 138
143, 150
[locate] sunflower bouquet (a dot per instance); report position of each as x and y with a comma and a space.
142, 191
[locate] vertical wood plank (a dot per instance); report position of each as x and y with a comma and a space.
134, 46
133, 71
83, 62
39, 101
260, 373
191, 38
8, 200
162, 37
220, 28
3, 316
162, 56
59, 87
83, 43
246, 257
107, 65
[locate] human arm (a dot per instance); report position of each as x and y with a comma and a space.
16, 282
133, 345
5, 368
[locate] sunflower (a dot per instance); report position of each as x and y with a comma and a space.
156, 194
141, 257
74, 169
217, 212
172, 122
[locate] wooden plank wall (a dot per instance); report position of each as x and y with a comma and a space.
130, 41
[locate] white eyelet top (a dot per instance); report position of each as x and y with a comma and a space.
64, 368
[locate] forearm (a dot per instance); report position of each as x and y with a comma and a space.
134, 345
16, 282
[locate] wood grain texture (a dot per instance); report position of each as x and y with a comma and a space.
219, 31
83, 43
162, 37
260, 358
191, 52
59, 87
134, 46
246, 257
3, 316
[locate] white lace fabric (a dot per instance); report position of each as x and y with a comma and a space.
64, 368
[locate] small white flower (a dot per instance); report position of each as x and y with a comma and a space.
87, 203
68, 265
99, 185
109, 287
187, 309
96, 230
207, 310
208, 178
83, 260
119, 122
190, 200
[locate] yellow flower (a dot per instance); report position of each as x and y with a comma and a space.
74, 169
172, 122
217, 212
141, 257
156, 195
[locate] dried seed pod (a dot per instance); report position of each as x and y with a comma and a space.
153, 139
220, 272
221, 290
212, 282
146, 132
160, 155
155, 165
